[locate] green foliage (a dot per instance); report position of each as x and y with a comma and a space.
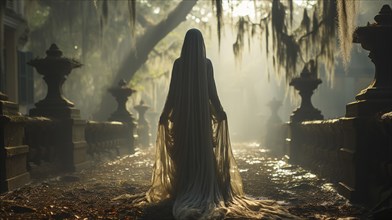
38, 17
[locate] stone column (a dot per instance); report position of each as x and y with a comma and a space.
70, 149
121, 94
274, 105
274, 135
13, 153
306, 83
153, 117
366, 151
143, 127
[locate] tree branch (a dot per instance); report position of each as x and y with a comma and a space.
311, 32
153, 35
145, 43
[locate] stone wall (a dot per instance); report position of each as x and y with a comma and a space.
354, 153
48, 155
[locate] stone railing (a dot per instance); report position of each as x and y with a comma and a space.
41, 134
13, 152
54, 138
353, 153
355, 150
108, 138
316, 145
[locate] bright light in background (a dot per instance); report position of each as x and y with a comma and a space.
241, 8
199, 15
306, 3
157, 10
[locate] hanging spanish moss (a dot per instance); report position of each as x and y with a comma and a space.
315, 25
285, 48
239, 43
291, 7
105, 11
313, 39
132, 14
266, 36
219, 18
347, 11
305, 25
326, 38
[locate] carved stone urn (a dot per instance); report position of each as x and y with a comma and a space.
274, 105
376, 38
306, 84
69, 144
121, 94
55, 68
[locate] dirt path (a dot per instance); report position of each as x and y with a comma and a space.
89, 194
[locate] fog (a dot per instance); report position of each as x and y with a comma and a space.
245, 85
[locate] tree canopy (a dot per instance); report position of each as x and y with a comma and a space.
115, 39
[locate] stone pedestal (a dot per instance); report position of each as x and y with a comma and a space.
274, 135
153, 117
121, 94
143, 127
71, 147
366, 150
305, 84
13, 153
55, 68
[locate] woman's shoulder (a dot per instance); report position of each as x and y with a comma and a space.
209, 63
177, 62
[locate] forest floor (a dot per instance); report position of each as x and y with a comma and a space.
103, 192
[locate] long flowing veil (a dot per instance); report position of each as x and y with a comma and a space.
194, 163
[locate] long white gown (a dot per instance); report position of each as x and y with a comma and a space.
194, 163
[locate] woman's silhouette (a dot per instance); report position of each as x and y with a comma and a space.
194, 164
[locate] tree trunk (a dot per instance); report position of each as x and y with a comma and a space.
139, 54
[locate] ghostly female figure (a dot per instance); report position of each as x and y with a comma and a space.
194, 163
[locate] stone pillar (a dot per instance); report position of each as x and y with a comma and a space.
366, 152
153, 119
71, 146
274, 135
143, 127
274, 105
121, 94
376, 39
13, 153
305, 84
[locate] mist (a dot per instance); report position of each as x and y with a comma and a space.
245, 85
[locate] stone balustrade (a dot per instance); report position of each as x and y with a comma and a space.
13, 152
106, 138
41, 134
353, 153
54, 138
315, 145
